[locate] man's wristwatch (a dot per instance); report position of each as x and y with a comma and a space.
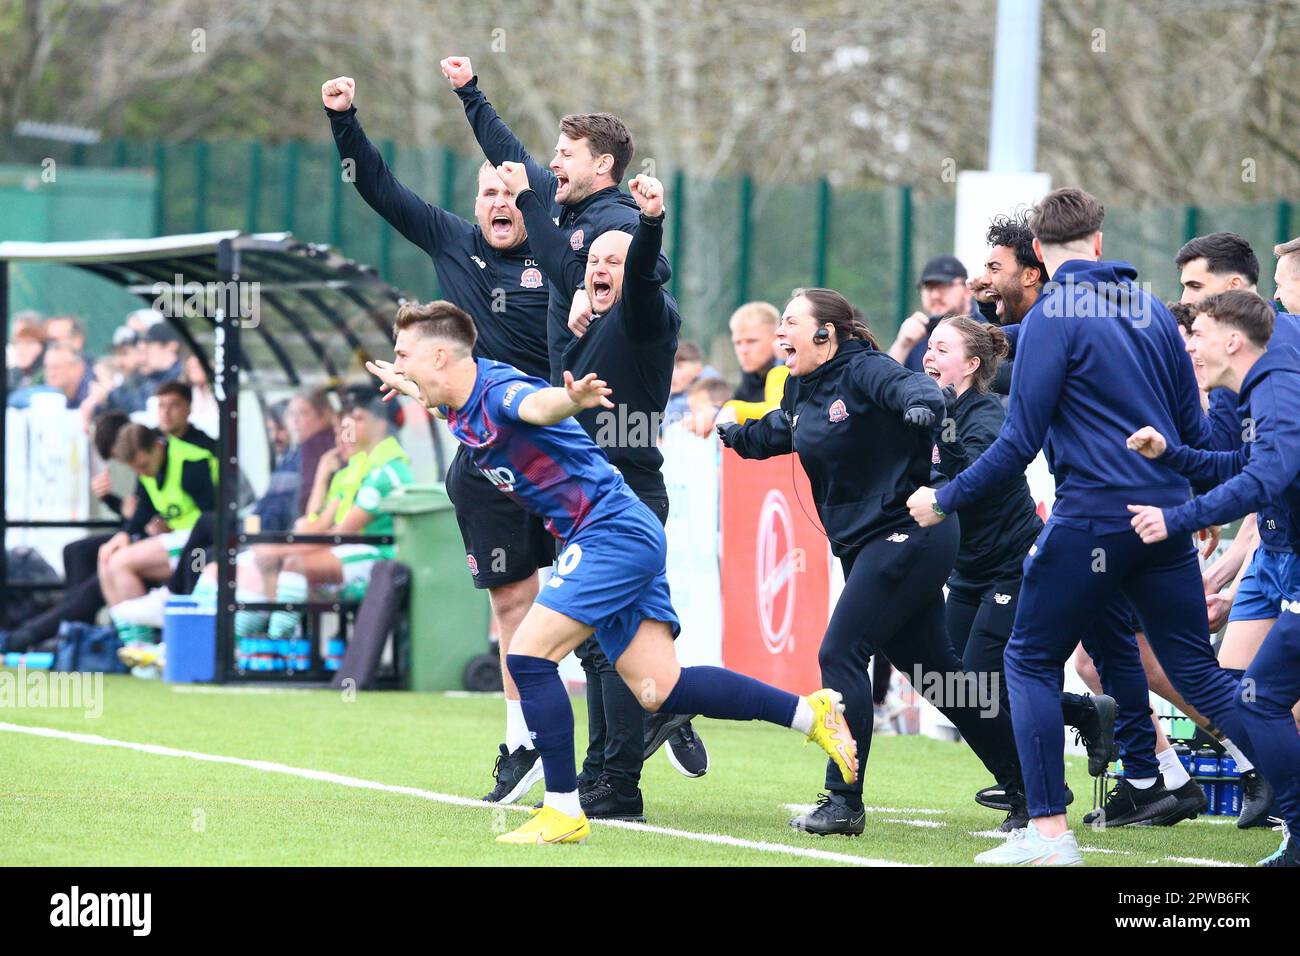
937, 510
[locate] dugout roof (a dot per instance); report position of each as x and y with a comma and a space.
309, 314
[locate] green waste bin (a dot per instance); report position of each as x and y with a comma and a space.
449, 617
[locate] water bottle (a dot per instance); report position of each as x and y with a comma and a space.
1230, 787
1184, 755
1206, 765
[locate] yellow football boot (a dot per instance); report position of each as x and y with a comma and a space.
831, 733
549, 825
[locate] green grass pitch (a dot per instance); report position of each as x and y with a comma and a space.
66, 802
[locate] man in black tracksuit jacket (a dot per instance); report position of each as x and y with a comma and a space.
581, 220
488, 269
631, 343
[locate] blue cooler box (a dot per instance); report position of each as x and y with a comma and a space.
190, 634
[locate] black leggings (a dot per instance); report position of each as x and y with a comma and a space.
893, 602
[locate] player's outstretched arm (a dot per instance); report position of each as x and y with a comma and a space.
495, 138
549, 406
421, 222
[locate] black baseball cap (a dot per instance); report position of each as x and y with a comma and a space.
161, 332
942, 269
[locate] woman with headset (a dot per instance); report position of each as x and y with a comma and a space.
861, 424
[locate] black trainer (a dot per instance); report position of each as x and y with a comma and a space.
1127, 806
659, 727
1095, 730
995, 798
515, 774
1017, 816
1256, 800
605, 801
687, 753
832, 815
1191, 802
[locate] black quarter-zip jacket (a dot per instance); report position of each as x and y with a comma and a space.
997, 529
503, 290
581, 222
632, 347
845, 419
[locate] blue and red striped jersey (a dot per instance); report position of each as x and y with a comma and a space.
554, 471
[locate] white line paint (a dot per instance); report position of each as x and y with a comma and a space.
809, 807
1200, 861
914, 823
446, 798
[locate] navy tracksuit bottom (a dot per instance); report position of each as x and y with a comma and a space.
1270, 688
1069, 574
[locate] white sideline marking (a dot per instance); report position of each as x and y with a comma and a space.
1200, 861
797, 808
914, 823
447, 798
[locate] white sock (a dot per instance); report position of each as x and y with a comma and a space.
566, 803
1143, 783
1171, 769
1243, 763
516, 727
803, 717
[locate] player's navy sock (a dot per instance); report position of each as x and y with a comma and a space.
549, 716
726, 695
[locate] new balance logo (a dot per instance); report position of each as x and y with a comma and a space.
1002, 598
479, 262
897, 537
501, 476
1291, 606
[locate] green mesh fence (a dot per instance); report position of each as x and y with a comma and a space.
730, 240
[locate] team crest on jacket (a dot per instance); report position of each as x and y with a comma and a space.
934, 455
531, 279
575, 240
838, 412
473, 564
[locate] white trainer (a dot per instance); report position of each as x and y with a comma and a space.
1026, 847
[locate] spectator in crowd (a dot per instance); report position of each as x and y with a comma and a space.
943, 294
753, 335
67, 329
26, 351
177, 484
203, 405
705, 397
688, 367
162, 363
66, 371
174, 405
278, 508
311, 419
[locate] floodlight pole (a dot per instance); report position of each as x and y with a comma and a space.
1013, 126
225, 385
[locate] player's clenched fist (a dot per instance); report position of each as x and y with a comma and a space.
1147, 442
649, 195
514, 175
458, 70
337, 93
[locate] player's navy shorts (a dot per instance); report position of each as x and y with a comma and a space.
503, 542
1273, 577
612, 575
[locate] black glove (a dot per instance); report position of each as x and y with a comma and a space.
919, 416
726, 432
949, 396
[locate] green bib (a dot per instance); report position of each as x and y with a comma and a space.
170, 500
